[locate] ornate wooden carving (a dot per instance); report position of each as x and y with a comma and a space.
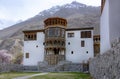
96, 44
55, 40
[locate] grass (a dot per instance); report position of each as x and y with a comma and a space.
10, 75
61, 75
65, 75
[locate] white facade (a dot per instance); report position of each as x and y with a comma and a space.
74, 51
35, 50
110, 27
104, 29
80, 54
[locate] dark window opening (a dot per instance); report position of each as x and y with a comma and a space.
71, 52
63, 43
68, 43
82, 43
56, 51
27, 55
36, 45
44, 43
30, 36
87, 52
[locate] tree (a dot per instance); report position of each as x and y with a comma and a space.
5, 57
18, 58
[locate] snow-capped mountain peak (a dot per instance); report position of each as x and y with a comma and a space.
54, 9
51, 10
75, 4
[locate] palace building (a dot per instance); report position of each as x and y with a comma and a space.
56, 43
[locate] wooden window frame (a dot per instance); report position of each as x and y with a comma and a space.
70, 35
86, 34
30, 36
27, 55
82, 43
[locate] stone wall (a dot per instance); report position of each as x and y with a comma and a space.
62, 67
10, 67
30, 68
107, 65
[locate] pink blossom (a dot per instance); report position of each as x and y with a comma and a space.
5, 57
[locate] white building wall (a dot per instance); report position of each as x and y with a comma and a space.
79, 53
114, 19
36, 54
104, 29
110, 24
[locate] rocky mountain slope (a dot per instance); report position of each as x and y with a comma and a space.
77, 15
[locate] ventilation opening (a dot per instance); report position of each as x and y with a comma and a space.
71, 52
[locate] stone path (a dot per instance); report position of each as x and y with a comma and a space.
27, 77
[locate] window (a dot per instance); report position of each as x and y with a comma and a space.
87, 52
46, 33
44, 43
63, 43
36, 46
71, 52
68, 43
30, 36
82, 43
57, 32
70, 35
51, 32
86, 34
63, 32
27, 55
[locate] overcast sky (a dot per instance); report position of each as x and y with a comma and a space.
12, 11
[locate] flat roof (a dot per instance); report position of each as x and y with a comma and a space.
84, 28
68, 29
27, 31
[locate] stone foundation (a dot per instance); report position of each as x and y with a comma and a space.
61, 66
10, 67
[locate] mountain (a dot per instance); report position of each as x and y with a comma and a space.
77, 15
